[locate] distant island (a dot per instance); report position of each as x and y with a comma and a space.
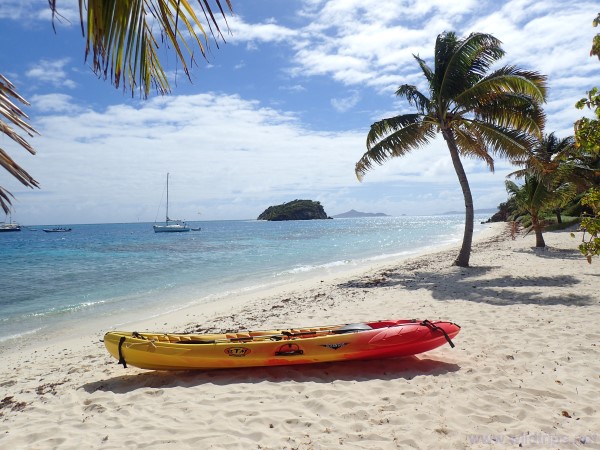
294, 210
355, 213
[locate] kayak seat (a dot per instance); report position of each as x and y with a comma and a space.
352, 328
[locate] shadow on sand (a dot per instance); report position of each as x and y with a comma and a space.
357, 371
467, 284
554, 253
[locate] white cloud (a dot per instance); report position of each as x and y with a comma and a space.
54, 103
51, 72
34, 10
267, 31
293, 88
372, 42
346, 103
228, 157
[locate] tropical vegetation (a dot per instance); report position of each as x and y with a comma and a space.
122, 45
557, 174
563, 175
480, 114
587, 136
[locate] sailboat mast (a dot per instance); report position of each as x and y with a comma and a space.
167, 197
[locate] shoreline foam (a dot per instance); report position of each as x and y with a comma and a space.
525, 370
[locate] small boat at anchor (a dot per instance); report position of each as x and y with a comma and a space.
170, 225
310, 345
9, 226
57, 230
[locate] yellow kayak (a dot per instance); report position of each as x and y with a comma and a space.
369, 340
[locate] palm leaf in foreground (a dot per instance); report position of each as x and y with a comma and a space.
120, 38
123, 47
12, 114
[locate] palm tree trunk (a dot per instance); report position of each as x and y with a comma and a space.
558, 216
462, 260
539, 239
539, 236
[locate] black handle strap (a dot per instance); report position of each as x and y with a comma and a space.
121, 357
434, 327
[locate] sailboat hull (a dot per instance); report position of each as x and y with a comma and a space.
9, 227
170, 228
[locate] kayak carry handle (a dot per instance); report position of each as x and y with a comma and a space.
434, 327
292, 350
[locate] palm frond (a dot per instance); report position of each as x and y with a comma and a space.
520, 173
382, 129
13, 114
556, 150
414, 97
394, 137
504, 142
511, 187
508, 79
564, 193
429, 74
468, 63
533, 167
531, 196
445, 46
471, 144
511, 111
123, 47
548, 160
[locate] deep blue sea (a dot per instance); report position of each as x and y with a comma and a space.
109, 270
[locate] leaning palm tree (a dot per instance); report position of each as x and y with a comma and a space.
120, 35
479, 114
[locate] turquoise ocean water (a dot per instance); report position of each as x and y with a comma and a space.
109, 270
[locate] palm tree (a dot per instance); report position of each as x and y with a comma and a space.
552, 161
121, 39
533, 197
529, 199
478, 114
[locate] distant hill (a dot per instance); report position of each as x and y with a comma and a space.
354, 213
477, 211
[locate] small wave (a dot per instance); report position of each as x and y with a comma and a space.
19, 335
309, 268
53, 312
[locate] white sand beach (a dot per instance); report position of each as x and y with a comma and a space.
525, 371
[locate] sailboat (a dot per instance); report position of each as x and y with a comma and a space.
10, 226
171, 225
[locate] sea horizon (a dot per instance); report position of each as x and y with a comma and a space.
480, 212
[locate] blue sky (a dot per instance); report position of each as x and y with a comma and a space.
279, 112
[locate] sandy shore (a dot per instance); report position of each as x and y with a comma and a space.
525, 371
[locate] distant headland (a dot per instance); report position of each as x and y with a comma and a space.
354, 213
